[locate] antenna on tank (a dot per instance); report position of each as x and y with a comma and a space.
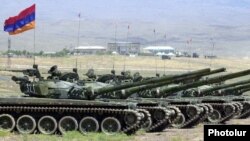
165, 37
78, 38
164, 67
156, 67
212, 51
115, 47
124, 59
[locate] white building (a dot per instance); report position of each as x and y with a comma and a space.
163, 50
89, 49
124, 47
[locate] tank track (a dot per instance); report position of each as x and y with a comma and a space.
224, 116
176, 110
239, 108
207, 110
146, 121
246, 110
190, 121
157, 124
77, 112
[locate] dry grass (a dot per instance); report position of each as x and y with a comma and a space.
143, 63
104, 63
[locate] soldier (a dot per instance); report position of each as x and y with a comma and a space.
54, 72
91, 74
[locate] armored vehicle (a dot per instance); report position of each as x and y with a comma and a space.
55, 106
235, 93
58, 89
223, 109
168, 95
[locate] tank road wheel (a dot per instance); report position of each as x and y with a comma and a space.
179, 121
110, 125
229, 109
26, 124
214, 117
88, 124
7, 122
148, 124
159, 115
130, 119
47, 125
191, 111
67, 123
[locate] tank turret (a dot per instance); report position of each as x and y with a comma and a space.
65, 76
55, 88
33, 72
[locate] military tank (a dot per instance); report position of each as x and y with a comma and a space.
210, 93
136, 93
234, 93
180, 100
160, 116
221, 113
205, 107
54, 106
51, 103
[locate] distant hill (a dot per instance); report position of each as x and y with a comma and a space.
225, 22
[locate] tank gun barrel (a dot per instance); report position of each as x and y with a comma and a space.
153, 80
128, 92
223, 86
20, 79
231, 90
244, 90
30, 72
216, 71
124, 93
166, 91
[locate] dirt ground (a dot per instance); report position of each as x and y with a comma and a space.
193, 134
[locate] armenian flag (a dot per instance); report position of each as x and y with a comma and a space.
24, 21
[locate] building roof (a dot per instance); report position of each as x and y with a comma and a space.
90, 47
124, 42
159, 48
49, 52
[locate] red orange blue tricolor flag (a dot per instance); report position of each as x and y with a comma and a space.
24, 21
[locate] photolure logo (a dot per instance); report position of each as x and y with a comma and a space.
213, 132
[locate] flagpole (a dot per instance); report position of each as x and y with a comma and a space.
34, 47
9, 57
115, 47
78, 36
124, 61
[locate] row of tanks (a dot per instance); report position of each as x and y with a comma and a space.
114, 103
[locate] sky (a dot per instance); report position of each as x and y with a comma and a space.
227, 21
200, 11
